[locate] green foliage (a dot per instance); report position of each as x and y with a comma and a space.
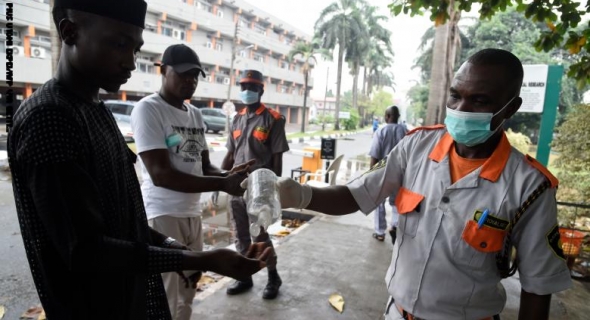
561, 31
573, 144
519, 141
510, 30
379, 102
352, 122
418, 94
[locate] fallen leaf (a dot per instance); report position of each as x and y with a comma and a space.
337, 301
2, 311
32, 313
283, 233
206, 279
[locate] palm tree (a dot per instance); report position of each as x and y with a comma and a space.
376, 41
339, 24
307, 51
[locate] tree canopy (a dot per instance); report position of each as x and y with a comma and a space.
561, 31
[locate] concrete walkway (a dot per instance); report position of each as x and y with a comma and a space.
338, 255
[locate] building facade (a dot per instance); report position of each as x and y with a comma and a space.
325, 106
262, 42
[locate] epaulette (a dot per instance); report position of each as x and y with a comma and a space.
274, 113
537, 165
433, 127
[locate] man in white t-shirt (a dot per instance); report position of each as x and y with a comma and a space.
170, 139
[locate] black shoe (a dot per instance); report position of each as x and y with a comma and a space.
393, 234
271, 290
239, 287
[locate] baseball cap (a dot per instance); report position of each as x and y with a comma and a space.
252, 76
181, 58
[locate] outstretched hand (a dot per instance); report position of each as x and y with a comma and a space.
232, 264
242, 167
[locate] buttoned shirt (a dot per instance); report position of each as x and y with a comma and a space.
257, 135
443, 266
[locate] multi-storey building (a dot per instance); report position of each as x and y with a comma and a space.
262, 42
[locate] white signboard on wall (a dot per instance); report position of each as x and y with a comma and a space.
533, 88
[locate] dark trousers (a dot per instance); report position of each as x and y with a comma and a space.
239, 214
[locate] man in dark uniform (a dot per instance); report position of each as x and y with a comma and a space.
90, 250
257, 133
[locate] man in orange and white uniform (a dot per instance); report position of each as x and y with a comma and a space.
257, 133
445, 179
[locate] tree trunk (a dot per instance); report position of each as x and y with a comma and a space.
338, 84
355, 86
304, 113
443, 65
453, 46
365, 80
438, 75
55, 41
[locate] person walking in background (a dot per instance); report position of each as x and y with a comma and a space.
77, 195
170, 139
384, 140
375, 125
257, 133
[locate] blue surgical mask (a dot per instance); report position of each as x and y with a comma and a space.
471, 128
249, 97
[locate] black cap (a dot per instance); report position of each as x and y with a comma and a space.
252, 76
128, 11
181, 58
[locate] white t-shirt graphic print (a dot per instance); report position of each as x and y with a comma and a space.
152, 121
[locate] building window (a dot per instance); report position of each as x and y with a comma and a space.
202, 5
144, 67
260, 29
219, 46
284, 65
167, 31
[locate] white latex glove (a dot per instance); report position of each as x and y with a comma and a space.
292, 193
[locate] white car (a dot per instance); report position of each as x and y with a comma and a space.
124, 124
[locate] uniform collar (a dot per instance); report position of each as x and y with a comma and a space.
258, 111
491, 169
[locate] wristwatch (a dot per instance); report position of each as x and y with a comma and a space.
168, 242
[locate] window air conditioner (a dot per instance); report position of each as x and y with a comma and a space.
38, 52
209, 45
18, 51
220, 14
177, 34
243, 53
225, 80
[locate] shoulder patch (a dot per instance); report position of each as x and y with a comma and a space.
434, 127
274, 114
554, 242
537, 165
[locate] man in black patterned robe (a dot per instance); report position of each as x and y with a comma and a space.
90, 250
